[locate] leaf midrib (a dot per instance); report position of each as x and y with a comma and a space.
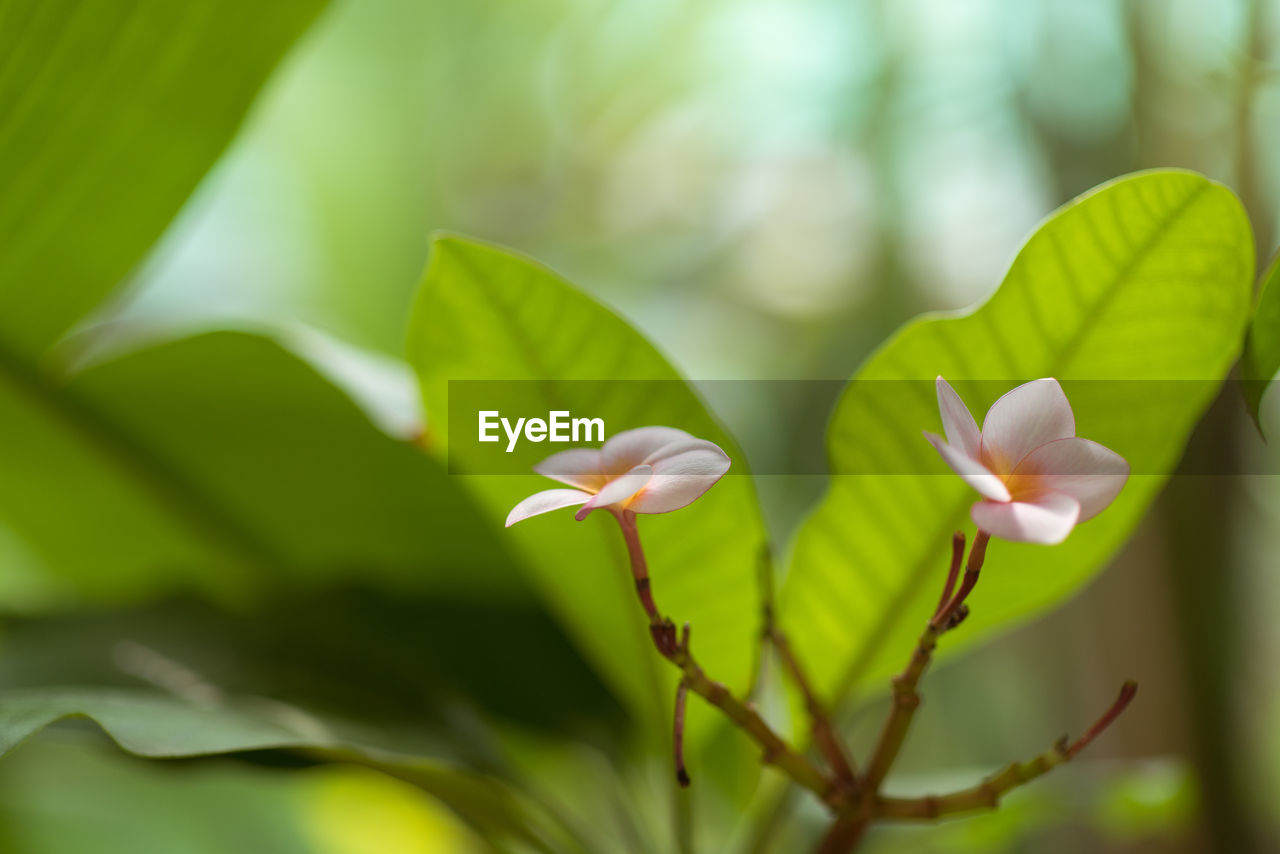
533, 357
199, 510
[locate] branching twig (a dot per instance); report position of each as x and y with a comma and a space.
775, 751
987, 794
855, 800
844, 835
953, 572
905, 696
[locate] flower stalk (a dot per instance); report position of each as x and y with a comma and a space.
774, 750
987, 794
662, 630
906, 697
854, 799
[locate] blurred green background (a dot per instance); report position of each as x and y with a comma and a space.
766, 188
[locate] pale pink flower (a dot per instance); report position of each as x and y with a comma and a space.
646, 470
1038, 480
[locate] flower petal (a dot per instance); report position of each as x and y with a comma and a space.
1090, 473
618, 490
1023, 420
1046, 518
580, 467
682, 474
683, 446
970, 470
957, 422
628, 449
545, 502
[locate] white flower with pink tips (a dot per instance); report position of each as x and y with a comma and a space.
1038, 480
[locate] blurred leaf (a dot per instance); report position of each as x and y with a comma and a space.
157, 726
418, 670
63, 795
110, 114
485, 314
1142, 286
1261, 360
223, 461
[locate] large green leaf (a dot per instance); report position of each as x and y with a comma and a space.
1135, 296
1261, 360
225, 462
156, 726
485, 314
69, 794
110, 113
162, 727
387, 661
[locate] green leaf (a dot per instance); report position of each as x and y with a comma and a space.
158, 726
1141, 286
1261, 360
388, 661
60, 795
222, 462
485, 314
110, 113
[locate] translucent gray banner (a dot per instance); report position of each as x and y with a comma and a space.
820, 427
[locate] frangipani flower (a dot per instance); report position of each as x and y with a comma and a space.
646, 470
1038, 480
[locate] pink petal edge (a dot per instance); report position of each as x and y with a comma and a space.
581, 468
682, 478
1087, 471
1022, 420
970, 470
544, 502
957, 421
624, 451
1047, 520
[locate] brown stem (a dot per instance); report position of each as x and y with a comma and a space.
953, 573
856, 802
639, 566
824, 734
1127, 692
905, 695
987, 794
844, 836
662, 630
775, 751
948, 615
